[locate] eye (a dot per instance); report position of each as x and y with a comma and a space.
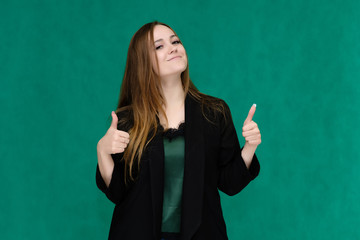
176, 42
158, 47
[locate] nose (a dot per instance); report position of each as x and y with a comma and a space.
173, 48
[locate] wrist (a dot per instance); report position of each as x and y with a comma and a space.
247, 153
99, 148
250, 147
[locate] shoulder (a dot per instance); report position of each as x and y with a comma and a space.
214, 109
205, 100
125, 117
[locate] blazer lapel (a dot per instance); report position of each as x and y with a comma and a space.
157, 181
193, 185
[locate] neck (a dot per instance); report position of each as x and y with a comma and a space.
173, 91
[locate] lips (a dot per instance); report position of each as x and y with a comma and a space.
174, 58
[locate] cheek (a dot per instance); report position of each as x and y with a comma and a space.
183, 49
186, 58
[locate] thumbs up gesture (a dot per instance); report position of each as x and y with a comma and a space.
114, 141
250, 129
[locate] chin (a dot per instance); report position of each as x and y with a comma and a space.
174, 71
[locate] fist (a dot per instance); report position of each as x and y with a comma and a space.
114, 141
250, 130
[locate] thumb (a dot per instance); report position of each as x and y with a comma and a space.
114, 121
250, 114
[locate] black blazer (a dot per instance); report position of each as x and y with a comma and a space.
212, 161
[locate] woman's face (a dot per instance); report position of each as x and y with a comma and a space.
170, 53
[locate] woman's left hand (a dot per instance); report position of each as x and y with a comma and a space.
252, 137
250, 129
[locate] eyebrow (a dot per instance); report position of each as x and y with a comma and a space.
159, 40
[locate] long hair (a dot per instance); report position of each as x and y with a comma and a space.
141, 94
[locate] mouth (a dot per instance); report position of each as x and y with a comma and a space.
174, 58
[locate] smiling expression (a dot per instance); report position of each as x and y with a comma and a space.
170, 53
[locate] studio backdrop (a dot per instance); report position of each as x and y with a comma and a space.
61, 67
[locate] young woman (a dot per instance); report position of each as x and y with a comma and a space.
170, 148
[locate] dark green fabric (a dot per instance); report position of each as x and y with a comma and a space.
174, 150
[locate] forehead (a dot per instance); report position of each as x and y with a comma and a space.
162, 32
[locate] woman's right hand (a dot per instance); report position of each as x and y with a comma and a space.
114, 141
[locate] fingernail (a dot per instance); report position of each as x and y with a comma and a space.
254, 104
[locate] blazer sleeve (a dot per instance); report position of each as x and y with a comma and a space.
117, 188
233, 173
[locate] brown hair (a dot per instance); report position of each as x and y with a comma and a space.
141, 95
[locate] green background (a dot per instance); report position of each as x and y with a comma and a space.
61, 65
